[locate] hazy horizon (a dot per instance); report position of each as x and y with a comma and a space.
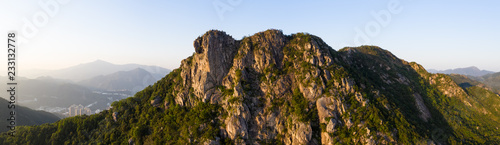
79, 63
437, 34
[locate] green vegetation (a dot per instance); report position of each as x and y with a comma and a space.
492, 80
372, 92
301, 38
140, 121
454, 121
225, 91
300, 106
24, 116
463, 81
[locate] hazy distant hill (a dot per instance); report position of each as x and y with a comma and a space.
55, 95
133, 80
24, 116
100, 83
472, 71
474, 76
88, 70
491, 80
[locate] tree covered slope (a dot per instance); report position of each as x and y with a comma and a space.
272, 88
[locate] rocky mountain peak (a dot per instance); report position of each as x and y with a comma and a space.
249, 74
296, 89
272, 88
215, 51
213, 40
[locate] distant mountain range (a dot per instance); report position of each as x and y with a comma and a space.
272, 88
471, 71
55, 96
485, 77
93, 69
133, 80
491, 80
95, 85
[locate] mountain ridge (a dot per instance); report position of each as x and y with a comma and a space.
472, 71
132, 80
271, 88
492, 80
98, 67
55, 96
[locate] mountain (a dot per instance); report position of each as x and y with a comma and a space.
24, 116
483, 96
55, 96
271, 88
464, 81
133, 80
88, 70
488, 78
492, 80
472, 71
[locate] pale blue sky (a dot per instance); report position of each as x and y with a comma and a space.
437, 34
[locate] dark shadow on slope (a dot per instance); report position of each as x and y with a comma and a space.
379, 70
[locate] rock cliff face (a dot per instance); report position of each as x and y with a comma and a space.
295, 89
271, 88
259, 70
254, 81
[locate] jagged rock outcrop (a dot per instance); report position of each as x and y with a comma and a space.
115, 116
272, 88
156, 101
269, 66
254, 77
295, 89
215, 51
424, 112
247, 68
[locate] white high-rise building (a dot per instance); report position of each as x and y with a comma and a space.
75, 110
